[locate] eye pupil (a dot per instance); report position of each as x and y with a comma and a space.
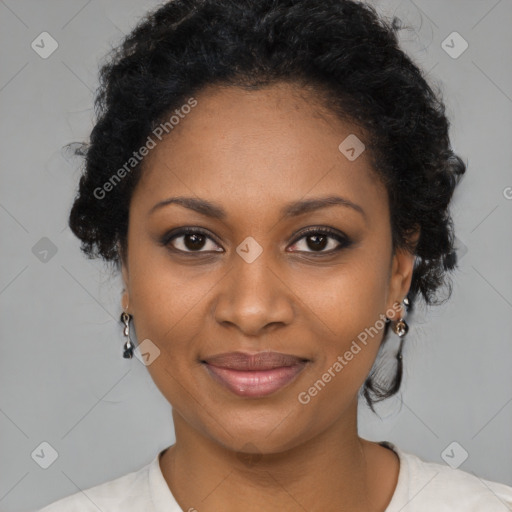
316, 244
197, 241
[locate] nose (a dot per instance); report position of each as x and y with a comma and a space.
254, 298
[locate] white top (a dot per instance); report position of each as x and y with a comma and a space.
422, 487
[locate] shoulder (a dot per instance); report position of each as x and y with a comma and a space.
125, 493
426, 486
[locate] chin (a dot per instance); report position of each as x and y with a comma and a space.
258, 430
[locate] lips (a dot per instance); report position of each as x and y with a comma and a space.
254, 375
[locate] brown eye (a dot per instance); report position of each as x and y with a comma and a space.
194, 242
190, 240
317, 240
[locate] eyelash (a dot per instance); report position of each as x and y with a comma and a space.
343, 240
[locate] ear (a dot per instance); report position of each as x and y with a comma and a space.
402, 267
125, 297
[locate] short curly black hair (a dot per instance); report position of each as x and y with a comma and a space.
343, 50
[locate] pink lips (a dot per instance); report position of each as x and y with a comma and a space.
254, 375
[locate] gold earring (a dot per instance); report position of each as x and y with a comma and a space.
401, 328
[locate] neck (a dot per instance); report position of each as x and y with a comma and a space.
336, 466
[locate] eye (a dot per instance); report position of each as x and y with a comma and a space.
317, 239
193, 239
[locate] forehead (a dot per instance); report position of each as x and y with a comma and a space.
260, 148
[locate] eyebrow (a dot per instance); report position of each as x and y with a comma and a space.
293, 209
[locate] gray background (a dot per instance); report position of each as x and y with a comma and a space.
62, 377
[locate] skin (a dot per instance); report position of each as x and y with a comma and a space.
252, 152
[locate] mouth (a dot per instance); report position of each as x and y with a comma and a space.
254, 375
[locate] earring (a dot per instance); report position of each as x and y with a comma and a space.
401, 329
128, 346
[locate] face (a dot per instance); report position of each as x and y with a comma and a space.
266, 270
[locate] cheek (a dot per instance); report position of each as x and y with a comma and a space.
349, 308
347, 298
166, 302
164, 294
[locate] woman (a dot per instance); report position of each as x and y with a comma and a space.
272, 179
